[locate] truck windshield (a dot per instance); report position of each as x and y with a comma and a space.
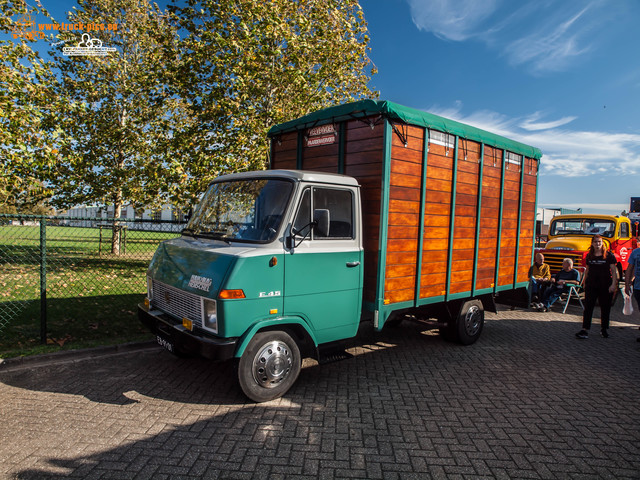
241, 210
582, 226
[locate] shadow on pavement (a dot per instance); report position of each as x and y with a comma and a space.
526, 399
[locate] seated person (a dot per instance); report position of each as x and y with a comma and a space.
539, 278
560, 283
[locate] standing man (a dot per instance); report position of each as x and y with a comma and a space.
630, 273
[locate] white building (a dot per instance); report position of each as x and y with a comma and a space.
166, 219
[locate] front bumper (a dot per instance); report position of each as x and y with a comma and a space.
177, 339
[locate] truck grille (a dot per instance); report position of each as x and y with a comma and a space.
554, 260
177, 302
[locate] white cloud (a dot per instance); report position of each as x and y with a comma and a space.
551, 45
451, 19
531, 123
567, 153
604, 208
544, 36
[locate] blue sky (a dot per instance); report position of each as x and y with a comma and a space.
561, 75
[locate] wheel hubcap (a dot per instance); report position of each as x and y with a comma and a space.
272, 364
472, 320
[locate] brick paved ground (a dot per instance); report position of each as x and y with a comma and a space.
527, 401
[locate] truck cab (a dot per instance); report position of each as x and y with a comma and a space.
267, 269
570, 237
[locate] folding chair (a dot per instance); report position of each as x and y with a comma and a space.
574, 290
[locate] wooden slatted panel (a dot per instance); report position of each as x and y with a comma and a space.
509, 236
528, 218
489, 218
364, 151
285, 148
322, 158
404, 215
433, 277
464, 235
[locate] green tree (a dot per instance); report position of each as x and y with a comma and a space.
248, 65
28, 143
123, 135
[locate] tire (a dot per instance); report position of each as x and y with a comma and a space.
468, 326
269, 366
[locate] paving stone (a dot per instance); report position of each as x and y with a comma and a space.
527, 400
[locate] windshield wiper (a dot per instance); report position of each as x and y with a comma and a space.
188, 231
215, 235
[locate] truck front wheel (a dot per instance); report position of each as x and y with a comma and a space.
269, 366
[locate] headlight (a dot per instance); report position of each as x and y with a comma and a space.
149, 288
210, 319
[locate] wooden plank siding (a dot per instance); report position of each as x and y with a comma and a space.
466, 217
404, 215
490, 218
364, 152
479, 232
284, 151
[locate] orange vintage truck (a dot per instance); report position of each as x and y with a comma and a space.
570, 237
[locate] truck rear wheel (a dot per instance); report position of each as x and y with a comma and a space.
467, 326
269, 366
470, 322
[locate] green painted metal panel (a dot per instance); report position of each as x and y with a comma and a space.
452, 215
176, 260
323, 289
396, 112
474, 275
387, 310
483, 291
511, 287
455, 296
430, 300
271, 322
423, 197
535, 211
517, 259
384, 217
500, 213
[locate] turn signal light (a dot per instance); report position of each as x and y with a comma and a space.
231, 294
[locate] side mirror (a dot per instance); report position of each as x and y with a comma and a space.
322, 220
289, 242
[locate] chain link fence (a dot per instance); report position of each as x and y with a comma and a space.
60, 268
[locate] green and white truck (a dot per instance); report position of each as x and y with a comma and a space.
369, 211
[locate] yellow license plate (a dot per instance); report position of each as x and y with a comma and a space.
188, 324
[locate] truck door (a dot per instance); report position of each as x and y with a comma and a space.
323, 269
625, 245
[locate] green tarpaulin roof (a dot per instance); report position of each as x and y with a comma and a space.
407, 115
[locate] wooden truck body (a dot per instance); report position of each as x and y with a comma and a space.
370, 211
449, 210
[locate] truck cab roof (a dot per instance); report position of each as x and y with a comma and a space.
295, 175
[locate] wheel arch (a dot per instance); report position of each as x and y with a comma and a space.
296, 327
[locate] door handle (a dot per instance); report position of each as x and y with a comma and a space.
352, 264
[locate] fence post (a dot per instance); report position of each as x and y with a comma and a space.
43, 280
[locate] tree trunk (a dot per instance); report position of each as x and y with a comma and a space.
116, 237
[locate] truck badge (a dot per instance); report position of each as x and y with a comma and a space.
201, 283
275, 293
